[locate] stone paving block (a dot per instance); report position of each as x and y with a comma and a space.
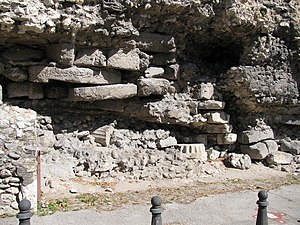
74, 74
115, 91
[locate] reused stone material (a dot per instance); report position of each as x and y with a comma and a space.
254, 136
103, 134
194, 151
98, 93
43, 74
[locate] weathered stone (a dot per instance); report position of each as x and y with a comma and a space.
14, 180
204, 91
56, 92
255, 151
279, 158
194, 151
74, 74
154, 72
253, 136
103, 134
217, 117
172, 72
211, 104
5, 173
62, 53
226, 139
168, 142
122, 59
18, 53
152, 86
240, 161
156, 43
16, 74
292, 146
90, 57
271, 145
30, 90
115, 91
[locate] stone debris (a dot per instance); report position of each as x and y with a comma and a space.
103, 134
239, 161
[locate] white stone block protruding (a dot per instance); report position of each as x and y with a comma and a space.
196, 151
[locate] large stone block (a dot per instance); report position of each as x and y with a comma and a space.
254, 136
194, 151
115, 91
279, 158
74, 74
152, 42
168, 142
152, 86
30, 90
90, 57
124, 60
211, 104
256, 151
62, 53
217, 117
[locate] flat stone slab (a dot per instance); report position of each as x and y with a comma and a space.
42, 74
115, 91
254, 136
153, 86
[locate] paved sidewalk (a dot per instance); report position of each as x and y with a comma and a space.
225, 209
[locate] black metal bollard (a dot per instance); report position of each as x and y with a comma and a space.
156, 210
24, 214
262, 213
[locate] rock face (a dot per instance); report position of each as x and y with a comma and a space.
222, 76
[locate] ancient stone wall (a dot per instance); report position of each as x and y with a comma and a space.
153, 89
18, 152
